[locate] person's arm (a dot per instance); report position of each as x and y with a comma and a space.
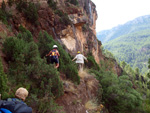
48, 53
74, 58
58, 53
85, 58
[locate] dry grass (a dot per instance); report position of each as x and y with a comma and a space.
91, 84
84, 74
91, 105
3, 36
69, 86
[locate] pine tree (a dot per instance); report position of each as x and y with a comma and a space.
10, 2
137, 71
123, 64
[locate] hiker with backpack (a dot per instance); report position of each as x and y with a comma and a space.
54, 56
16, 105
80, 60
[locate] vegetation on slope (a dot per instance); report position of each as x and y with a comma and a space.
3, 81
132, 48
46, 43
4, 15
28, 69
127, 93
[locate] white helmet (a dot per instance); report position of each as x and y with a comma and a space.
55, 46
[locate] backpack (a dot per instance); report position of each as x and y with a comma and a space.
53, 54
15, 106
3, 110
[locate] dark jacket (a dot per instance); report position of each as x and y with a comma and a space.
15, 105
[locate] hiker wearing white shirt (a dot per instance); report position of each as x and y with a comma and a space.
80, 60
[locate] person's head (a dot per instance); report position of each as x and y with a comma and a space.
55, 47
21, 93
78, 52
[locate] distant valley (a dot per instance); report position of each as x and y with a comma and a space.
129, 42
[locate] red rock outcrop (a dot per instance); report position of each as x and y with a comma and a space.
79, 34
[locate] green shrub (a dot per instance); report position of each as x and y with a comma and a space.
30, 10
148, 74
22, 29
3, 7
65, 19
13, 48
10, 2
3, 82
25, 35
31, 13
92, 63
21, 5
46, 43
4, 15
104, 65
74, 2
118, 94
108, 54
27, 69
85, 27
46, 103
59, 13
147, 105
52, 4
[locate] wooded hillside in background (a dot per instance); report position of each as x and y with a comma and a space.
130, 42
133, 49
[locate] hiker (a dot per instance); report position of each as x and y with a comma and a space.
80, 60
54, 56
16, 105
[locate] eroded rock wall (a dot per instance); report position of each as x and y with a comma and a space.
78, 35
85, 41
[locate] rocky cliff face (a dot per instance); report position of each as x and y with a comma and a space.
72, 25
79, 34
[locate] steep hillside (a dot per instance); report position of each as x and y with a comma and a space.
132, 48
28, 30
138, 24
71, 23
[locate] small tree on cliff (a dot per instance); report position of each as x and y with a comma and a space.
74, 2
10, 2
3, 7
123, 64
31, 12
137, 71
52, 4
